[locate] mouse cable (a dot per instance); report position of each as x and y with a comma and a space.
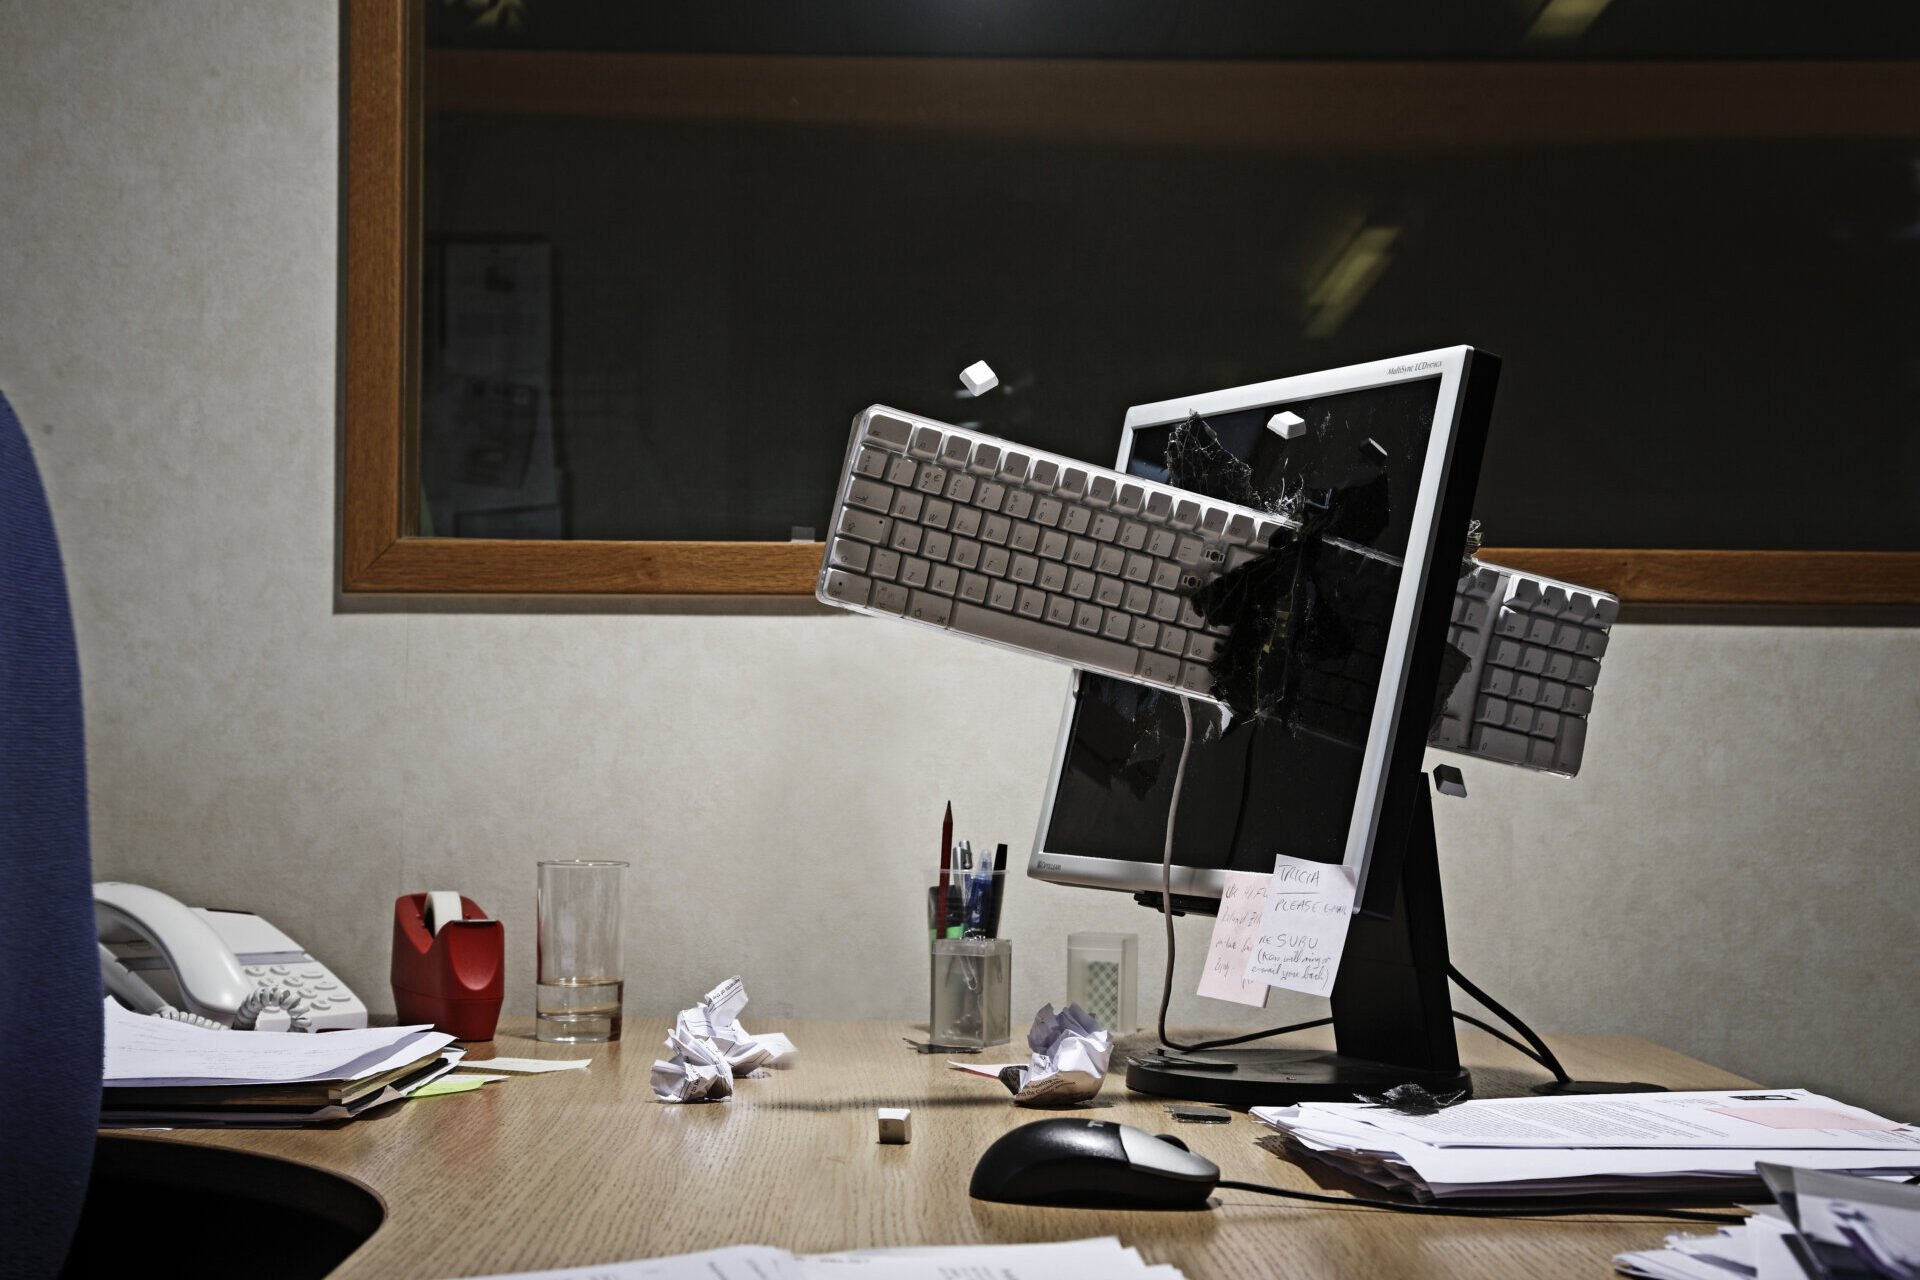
1570, 1209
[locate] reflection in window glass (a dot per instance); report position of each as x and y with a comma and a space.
659, 327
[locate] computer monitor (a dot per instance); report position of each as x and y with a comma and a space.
1393, 449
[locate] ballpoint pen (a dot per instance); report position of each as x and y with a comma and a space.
999, 882
946, 866
980, 894
962, 888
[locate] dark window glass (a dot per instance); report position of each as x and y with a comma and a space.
649, 326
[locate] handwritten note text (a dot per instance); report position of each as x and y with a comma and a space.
1242, 902
1303, 928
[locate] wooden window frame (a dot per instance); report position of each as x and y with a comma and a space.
379, 486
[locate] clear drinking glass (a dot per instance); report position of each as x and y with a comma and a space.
580, 983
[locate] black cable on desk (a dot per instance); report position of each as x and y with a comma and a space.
1542, 1055
1504, 1038
1574, 1209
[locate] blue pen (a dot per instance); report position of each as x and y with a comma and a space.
979, 890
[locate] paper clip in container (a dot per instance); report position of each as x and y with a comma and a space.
448, 970
972, 994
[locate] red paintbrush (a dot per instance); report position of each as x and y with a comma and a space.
946, 866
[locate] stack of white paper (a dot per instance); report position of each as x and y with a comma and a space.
152, 1052
1069, 1260
1596, 1145
1826, 1224
159, 1072
1726, 1255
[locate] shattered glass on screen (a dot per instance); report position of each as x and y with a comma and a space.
1302, 665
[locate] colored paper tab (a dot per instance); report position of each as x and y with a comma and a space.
447, 1084
1303, 928
1243, 901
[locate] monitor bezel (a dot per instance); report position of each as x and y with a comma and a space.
1412, 625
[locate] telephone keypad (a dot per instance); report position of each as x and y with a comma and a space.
318, 989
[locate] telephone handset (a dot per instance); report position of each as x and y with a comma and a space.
227, 968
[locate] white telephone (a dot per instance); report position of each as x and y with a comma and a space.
226, 968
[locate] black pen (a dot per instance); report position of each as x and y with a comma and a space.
999, 882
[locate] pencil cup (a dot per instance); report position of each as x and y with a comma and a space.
1101, 972
972, 992
581, 983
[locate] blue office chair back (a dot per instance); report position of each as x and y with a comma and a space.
50, 995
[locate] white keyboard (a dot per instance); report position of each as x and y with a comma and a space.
1535, 646
1052, 556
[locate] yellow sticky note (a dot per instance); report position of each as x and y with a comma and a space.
446, 1084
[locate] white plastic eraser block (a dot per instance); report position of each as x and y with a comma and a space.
1286, 424
443, 905
896, 1125
978, 379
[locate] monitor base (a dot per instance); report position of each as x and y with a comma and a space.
1553, 1087
1242, 1078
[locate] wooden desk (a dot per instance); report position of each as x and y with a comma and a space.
582, 1167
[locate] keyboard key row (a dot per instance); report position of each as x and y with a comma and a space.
1503, 682
1139, 585
963, 470
1089, 616
1543, 630
1535, 660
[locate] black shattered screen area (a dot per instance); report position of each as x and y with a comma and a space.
1282, 782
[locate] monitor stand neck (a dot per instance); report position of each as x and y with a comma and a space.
1392, 1017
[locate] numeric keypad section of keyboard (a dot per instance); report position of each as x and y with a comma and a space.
1534, 648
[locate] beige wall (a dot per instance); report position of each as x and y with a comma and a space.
1732, 874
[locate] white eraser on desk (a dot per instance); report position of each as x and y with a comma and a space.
896, 1125
443, 906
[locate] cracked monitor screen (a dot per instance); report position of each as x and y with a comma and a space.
1284, 780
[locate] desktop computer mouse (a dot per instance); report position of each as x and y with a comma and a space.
1093, 1164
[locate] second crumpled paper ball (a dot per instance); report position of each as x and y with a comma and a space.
1070, 1055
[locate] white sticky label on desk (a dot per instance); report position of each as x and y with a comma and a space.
1303, 929
1243, 902
529, 1065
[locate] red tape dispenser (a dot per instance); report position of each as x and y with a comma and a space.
448, 962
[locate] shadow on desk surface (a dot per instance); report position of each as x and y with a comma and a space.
222, 1213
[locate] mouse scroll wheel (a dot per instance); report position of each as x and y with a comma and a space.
1167, 1137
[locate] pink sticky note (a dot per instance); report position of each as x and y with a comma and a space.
991, 1070
1242, 902
1807, 1118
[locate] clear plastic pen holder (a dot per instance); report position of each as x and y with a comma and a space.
971, 1001
1102, 969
